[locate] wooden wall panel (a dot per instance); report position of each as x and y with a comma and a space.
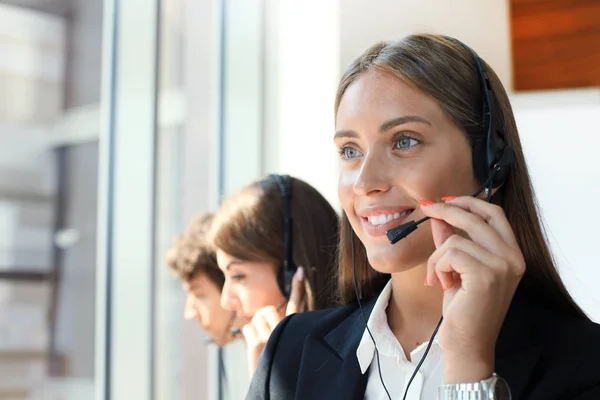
555, 44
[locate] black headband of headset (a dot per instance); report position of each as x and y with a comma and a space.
498, 154
286, 272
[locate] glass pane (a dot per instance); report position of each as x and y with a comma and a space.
184, 176
50, 75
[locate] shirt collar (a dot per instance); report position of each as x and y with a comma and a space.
387, 343
377, 324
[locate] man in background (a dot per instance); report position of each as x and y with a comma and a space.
192, 258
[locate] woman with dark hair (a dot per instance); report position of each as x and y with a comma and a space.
426, 135
255, 232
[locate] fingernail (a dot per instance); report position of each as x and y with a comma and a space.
448, 198
425, 202
426, 283
300, 273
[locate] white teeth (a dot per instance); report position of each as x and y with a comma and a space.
384, 218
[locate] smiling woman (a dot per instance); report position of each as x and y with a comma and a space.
422, 154
422, 124
255, 231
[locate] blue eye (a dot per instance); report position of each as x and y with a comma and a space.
348, 153
405, 143
238, 277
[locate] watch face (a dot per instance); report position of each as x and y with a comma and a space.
500, 390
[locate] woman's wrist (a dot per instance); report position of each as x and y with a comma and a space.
465, 369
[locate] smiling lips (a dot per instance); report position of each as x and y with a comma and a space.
376, 221
384, 218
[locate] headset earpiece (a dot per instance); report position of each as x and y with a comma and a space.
285, 277
502, 166
488, 154
285, 273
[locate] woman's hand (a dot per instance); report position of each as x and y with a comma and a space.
258, 331
479, 273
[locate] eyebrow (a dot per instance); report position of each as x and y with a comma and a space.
386, 126
233, 263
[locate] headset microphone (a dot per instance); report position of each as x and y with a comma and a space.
227, 329
505, 160
402, 231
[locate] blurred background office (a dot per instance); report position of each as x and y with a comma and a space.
121, 120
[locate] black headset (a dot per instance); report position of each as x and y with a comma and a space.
286, 272
492, 159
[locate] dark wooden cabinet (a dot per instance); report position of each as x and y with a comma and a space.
555, 44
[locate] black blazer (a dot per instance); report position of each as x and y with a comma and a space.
542, 354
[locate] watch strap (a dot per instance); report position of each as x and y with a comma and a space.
467, 391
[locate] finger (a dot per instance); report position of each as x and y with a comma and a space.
271, 315
472, 224
250, 334
262, 327
468, 246
457, 242
441, 231
297, 293
492, 214
443, 278
472, 272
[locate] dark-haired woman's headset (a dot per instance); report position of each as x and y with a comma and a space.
492, 159
285, 274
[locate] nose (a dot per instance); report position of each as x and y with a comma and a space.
190, 312
372, 176
229, 300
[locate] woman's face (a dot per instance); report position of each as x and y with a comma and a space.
203, 304
249, 286
397, 147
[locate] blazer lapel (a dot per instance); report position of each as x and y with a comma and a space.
329, 367
330, 370
516, 351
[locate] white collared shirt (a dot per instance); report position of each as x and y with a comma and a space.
395, 368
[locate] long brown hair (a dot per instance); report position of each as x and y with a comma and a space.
445, 70
249, 226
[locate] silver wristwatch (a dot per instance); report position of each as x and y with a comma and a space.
494, 388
